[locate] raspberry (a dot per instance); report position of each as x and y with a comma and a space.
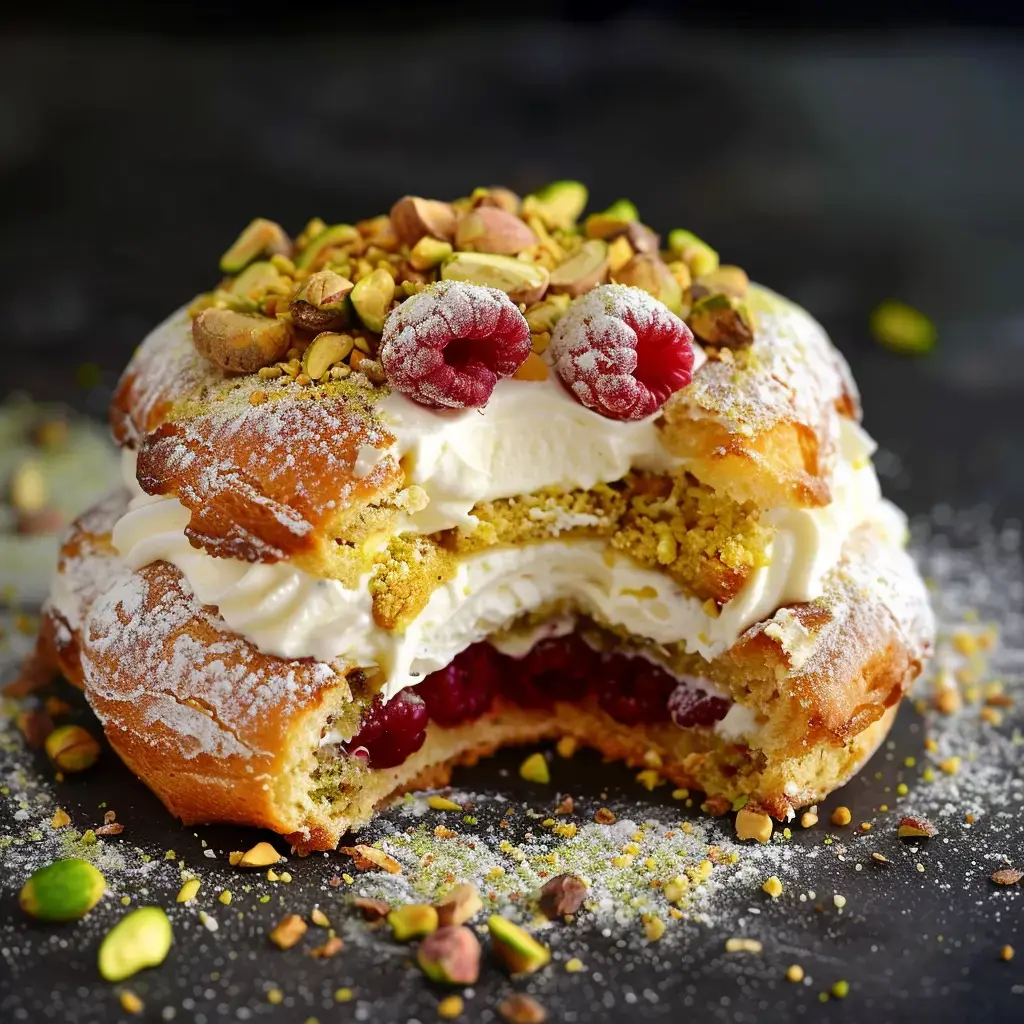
391, 731
632, 690
464, 689
621, 352
689, 705
447, 346
559, 668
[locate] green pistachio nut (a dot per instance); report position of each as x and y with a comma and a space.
544, 315
521, 281
256, 280
558, 205
317, 248
140, 939
903, 329
261, 238
239, 342
616, 220
429, 252
412, 217
496, 195
371, 299
460, 904
727, 279
693, 251
412, 921
450, 956
72, 749
587, 267
324, 351
519, 951
652, 275
722, 320
488, 229
319, 303
63, 891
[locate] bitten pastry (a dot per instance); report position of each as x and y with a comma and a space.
472, 474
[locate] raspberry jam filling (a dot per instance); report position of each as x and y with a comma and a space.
631, 690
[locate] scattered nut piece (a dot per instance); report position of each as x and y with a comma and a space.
794, 973
72, 749
517, 949
654, 927
319, 918
413, 217
260, 856
140, 939
442, 803
1007, 876
520, 1008
412, 921
742, 945
561, 896
839, 900
840, 989
604, 816
240, 342
1006, 953
521, 281
583, 270
28, 490
188, 891
260, 237
131, 1003
373, 910
535, 769
916, 828
753, 824
288, 931
460, 905
488, 229
772, 886
566, 806
841, 816
60, 818
65, 890
367, 858
650, 779
574, 965
879, 858
716, 806
450, 1007
808, 819
450, 956
330, 948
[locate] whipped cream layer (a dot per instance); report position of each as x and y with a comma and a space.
287, 612
530, 435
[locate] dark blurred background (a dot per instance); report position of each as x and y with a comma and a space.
841, 156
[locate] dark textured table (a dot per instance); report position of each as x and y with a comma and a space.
840, 173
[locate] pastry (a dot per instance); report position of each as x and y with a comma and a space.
474, 474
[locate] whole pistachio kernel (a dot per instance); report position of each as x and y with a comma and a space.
63, 891
261, 237
319, 304
371, 299
558, 205
520, 281
324, 351
140, 939
72, 749
240, 342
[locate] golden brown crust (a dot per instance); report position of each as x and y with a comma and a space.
222, 732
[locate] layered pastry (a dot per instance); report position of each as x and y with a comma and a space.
472, 474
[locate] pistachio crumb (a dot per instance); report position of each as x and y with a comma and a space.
841, 816
840, 989
535, 769
772, 886
450, 1007
131, 1003
574, 966
794, 973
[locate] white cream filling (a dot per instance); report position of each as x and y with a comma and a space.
289, 613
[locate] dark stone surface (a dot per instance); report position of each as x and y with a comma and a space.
839, 172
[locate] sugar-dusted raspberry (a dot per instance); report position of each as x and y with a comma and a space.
621, 352
447, 346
